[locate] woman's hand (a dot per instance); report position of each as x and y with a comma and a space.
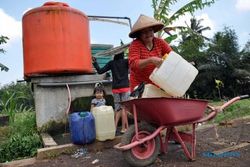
156, 61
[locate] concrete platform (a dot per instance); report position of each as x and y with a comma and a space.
51, 149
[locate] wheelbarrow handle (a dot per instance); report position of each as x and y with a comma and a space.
217, 109
234, 100
244, 97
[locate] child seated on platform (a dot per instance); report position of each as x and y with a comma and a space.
99, 94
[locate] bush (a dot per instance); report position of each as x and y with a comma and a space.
236, 110
19, 145
25, 123
16, 96
23, 139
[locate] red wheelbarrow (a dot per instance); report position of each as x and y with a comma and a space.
142, 142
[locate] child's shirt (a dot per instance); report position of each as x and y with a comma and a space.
98, 102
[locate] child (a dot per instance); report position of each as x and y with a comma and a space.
99, 94
120, 85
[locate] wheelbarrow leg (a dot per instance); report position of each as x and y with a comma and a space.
163, 147
135, 121
164, 143
193, 153
186, 137
168, 136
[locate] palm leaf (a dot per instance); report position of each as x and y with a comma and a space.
241, 72
3, 67
190, 7
208, 67
171, 38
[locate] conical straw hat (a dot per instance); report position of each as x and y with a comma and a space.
145, 22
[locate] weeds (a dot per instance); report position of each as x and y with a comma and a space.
236, 110
23, 139
20, 139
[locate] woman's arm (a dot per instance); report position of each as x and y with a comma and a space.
135, 61
151, 60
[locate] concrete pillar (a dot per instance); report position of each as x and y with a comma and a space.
52, 96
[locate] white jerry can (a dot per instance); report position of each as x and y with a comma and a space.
104, 122
175, 75
151, 91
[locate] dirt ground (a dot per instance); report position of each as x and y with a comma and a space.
207, 141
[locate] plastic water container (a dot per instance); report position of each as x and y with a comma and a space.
82, 127
56, 40
153, 91
104, 122
175, 75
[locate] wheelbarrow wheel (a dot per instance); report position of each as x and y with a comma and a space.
145, 153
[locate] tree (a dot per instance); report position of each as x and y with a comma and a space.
223, 61
193, 42
3, 39
195, 29
245, 62
162, 9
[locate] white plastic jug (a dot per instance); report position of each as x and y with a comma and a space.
104, 122
175, 75
153, 91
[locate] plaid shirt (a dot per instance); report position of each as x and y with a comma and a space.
138, 51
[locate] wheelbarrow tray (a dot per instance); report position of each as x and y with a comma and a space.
167, 111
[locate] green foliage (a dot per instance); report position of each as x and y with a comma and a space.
24, 123
3, 39
4, 133
236, 110
23, 139
245, 56
162, 10
19, 146
193, 43
190, 7
171, 38
16, 97
220, 60
191, 49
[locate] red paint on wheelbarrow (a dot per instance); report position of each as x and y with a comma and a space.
144, 150
167, 111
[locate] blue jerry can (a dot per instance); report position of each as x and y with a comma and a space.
82, 127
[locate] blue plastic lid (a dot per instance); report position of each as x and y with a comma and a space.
83, 114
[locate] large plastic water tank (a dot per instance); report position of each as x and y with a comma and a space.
82, 127
56, 40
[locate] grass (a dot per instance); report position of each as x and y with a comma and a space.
236, 110
20, 139
4, 133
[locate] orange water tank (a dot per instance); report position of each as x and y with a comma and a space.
56, 40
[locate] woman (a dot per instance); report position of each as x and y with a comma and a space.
146, 51
120, 85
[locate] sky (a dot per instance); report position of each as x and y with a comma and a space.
234, 14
